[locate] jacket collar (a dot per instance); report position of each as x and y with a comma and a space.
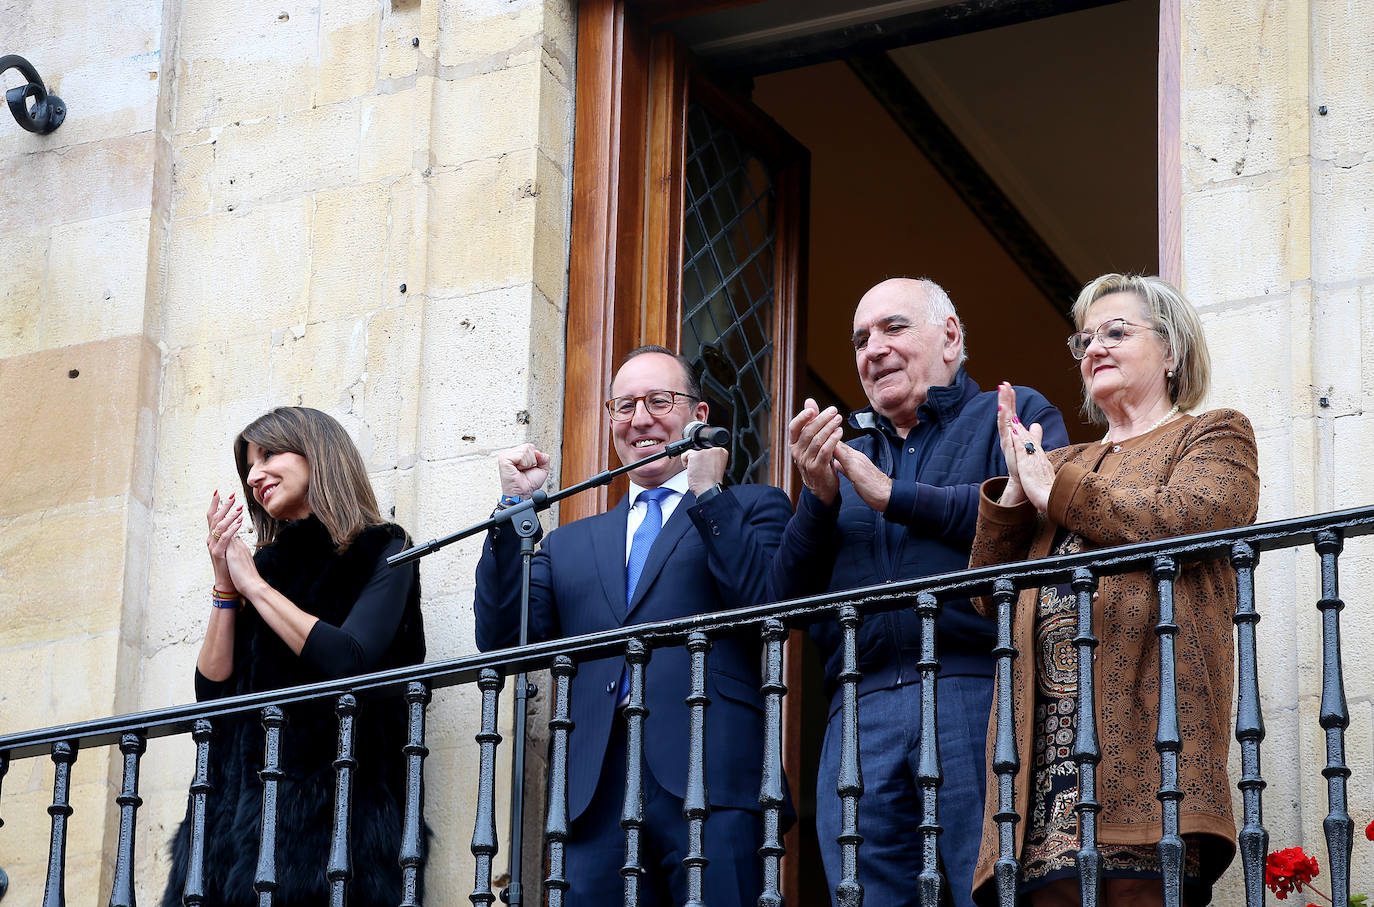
942, 404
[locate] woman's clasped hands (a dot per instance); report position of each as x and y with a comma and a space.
225, 520
230, 555
1030, 473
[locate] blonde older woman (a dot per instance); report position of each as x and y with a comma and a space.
1159, 471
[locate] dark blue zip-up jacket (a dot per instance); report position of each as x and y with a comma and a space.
847, 545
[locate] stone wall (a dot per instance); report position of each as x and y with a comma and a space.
1278, 251
355, 205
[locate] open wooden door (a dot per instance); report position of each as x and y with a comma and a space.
725, 233
688, 230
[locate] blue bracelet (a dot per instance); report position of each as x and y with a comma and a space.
510, 500
217, 602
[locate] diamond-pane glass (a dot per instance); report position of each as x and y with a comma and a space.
728, 234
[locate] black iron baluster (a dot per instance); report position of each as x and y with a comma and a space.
632, 811
1335, 718
132, 746
412, 832
1168, 742
1253, 838
484, 843
1004, 758
63, 755
772, 780
194, 893
1086, 751
340, 868
696, 805
850, 784
4, 879
929, 775
556, 828
265, 883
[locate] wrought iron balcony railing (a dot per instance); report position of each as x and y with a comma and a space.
1241, 547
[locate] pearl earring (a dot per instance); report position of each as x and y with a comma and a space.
1169, 373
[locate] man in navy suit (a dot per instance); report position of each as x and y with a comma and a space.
712, 553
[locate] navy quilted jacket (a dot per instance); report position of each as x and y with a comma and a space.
848, 545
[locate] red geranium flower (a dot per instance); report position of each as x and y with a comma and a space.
1289, 870
1369, 831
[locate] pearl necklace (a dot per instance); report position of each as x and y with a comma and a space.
1167, 416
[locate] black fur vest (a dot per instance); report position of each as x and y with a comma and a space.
301, 563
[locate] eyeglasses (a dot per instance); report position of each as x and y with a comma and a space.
1108, 333
658, 403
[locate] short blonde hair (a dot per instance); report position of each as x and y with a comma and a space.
1175, 319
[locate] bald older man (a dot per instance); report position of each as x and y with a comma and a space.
900, 501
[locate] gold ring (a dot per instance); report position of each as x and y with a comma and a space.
215, 533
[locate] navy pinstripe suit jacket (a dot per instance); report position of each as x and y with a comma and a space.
708, 557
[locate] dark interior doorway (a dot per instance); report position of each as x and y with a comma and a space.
1033, 169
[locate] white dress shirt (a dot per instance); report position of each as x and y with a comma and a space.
677, 484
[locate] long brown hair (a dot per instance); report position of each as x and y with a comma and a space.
339, 493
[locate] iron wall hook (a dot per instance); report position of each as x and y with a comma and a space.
48, 110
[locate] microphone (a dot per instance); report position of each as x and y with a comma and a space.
705, 436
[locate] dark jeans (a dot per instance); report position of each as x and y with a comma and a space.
890, 809
595, 850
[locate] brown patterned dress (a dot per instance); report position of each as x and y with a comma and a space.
1190, 475
1050, 852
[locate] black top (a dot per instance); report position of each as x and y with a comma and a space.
356, 646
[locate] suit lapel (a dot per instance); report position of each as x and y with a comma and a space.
608, 544
667, 540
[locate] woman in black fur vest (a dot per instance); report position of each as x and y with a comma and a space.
317, 601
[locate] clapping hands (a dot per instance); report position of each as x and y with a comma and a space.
816, 442
1031, 475
812, 438
225, 519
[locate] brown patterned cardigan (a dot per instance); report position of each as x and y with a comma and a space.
1191, 475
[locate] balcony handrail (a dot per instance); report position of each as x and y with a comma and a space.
172, 720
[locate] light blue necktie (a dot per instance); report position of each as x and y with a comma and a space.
643, 539
640, 543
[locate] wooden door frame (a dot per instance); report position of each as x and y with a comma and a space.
604, 263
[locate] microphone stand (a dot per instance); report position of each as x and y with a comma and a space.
523, 520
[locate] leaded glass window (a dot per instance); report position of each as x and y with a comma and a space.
728, 307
